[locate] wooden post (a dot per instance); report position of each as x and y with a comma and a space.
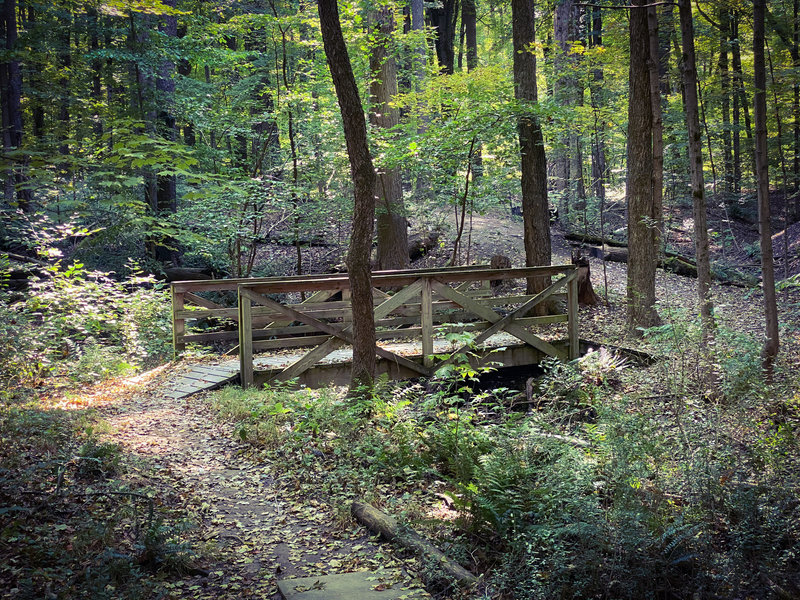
427, 322
178, 325
245, 340
572, 313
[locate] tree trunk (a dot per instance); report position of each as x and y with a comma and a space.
363, 173
392, 224
166, 185
469, 20
770, 350
796, 102
653, 65
564, 85
725, 90
689, 70
596, 94
535, 212
443, 22
642, 219
97, 71
469, 17
11, 91
665, 31
64, 55
738, 77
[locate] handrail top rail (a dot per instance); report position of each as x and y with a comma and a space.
401, 278
213, 285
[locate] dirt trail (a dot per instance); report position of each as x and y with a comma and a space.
252, 535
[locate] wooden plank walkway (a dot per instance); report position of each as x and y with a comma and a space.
362, 585
203, 377
199, 378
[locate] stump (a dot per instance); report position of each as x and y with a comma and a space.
420, 244
586, 293
499, 261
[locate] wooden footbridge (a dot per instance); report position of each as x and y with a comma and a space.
415, 310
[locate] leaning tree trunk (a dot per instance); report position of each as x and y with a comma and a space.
363, 173
392, 229
689, 69
535, 213
770, 350
642, 219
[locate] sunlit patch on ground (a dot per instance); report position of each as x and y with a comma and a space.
104, 393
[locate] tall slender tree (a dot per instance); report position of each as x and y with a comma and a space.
166, 200
11, 92
535, 213
689, 72
595, 19
363, 173
771, 344
654, 65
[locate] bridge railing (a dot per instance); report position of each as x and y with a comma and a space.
421, 303
188, 305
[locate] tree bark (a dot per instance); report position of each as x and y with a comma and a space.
64, 56
392, 223
443, 22
658, 123
642, 219
770, 350
796, 103
597, 100
363, 173
741, 101
535, 212
97, 71
725, 90
564, 86
11, 91
689, 71
166, 198
469, 17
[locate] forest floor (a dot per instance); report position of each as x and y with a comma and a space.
247, 523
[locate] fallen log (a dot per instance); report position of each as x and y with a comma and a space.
594, 240
379, 522
185, 274
287, 239
678, 264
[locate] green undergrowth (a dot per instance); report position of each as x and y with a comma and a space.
78, 519
74, 326
609, 480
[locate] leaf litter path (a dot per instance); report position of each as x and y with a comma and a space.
253, 532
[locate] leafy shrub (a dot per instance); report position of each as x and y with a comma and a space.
82, 324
